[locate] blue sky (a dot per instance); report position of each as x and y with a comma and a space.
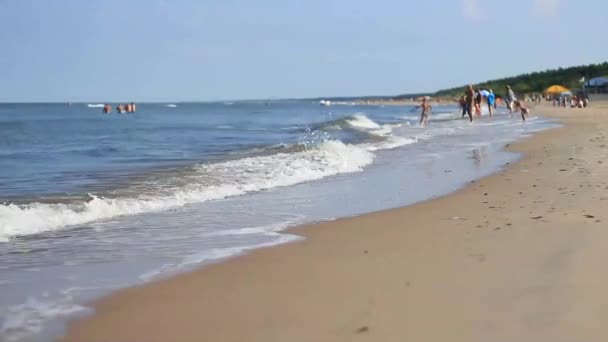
163, 50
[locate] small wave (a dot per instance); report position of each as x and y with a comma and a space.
362, 121
95, 105
171, 105
209, 182
358, 122
392, 143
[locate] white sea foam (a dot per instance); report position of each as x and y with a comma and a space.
362, 121
95, 105
392, 143
21, 322
171, 105
230, 178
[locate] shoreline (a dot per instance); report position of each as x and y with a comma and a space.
321, 292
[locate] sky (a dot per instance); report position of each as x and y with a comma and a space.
206, 50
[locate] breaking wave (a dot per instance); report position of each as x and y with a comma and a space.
277, 166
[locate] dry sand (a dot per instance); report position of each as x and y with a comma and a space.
518, 256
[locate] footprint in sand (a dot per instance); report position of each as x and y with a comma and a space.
362, 330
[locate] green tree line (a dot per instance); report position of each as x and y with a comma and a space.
537, 82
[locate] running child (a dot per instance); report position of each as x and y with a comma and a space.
525, 111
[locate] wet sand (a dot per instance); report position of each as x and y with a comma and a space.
517, 256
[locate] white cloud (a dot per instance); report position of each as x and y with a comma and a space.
546, 8
472, 10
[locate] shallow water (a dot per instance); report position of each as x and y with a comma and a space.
96, 202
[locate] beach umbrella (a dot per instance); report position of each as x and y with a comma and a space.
556, 89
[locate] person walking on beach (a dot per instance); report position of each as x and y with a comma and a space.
425, 111
510, 99
491, 101
469, 100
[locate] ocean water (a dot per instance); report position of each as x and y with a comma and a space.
90, 202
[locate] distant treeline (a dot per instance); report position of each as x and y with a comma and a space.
537, 82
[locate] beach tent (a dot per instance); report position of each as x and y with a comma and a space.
597, 85
556, 89
598, 81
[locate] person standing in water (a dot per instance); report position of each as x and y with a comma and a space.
491, 101
469, 99
463, 104
425, 111
478, 98
510, 99
525, 111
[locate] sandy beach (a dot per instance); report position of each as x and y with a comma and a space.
517, 256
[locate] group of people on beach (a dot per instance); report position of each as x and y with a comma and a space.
472, 100
576, 101
121, 108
